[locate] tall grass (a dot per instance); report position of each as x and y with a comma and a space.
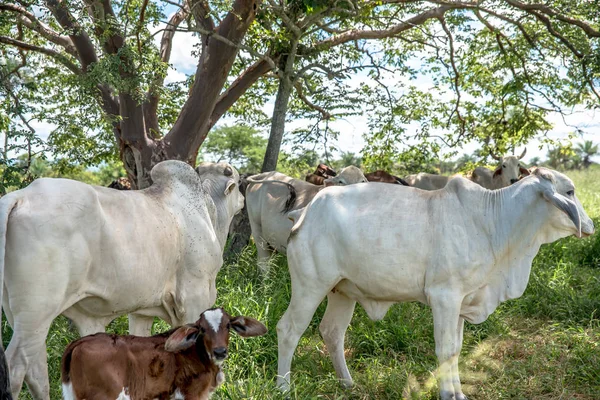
545, 345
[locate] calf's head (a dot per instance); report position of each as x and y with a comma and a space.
210, 334
510, 169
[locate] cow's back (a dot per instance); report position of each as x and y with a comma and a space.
376, 244
76, 239
266, 202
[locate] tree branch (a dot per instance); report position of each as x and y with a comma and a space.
238, 88
166, 42
153, 95
279, 11
356, 34
49, 52
456, 74
191, 127
324, 113
83, 44
105, 25
201, 13
546, 21
589, 31
30, 21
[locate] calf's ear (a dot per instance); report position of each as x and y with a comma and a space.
183, 338
498, 171
247, 327
566, 205
524, 171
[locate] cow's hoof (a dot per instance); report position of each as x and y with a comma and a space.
446, 395
346, 383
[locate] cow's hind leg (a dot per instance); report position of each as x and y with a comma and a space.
333, 329
140, 325
306, 297
263, 252
27, 359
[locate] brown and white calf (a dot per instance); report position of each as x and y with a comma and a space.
183, 363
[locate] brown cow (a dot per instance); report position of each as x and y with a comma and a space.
120, 184
385, 177
321, 173
325, 171
184, 362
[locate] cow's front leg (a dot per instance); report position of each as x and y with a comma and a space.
446, 310
458, 394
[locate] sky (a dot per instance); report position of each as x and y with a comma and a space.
353, 128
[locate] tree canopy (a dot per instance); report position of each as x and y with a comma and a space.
426, 74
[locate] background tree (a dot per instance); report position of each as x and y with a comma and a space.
239, 145
102, 59
560, 157
586, 151
492, 68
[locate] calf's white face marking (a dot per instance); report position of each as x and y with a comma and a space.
214, 317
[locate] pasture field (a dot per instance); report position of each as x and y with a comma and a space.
545, 345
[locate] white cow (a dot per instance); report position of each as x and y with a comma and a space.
508, 172
93, 253
426, 181
462, 250
271, 195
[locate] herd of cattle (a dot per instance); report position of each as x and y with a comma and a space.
93, 253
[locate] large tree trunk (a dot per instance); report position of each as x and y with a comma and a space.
280, 109
136, 133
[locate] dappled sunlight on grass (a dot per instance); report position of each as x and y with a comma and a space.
543, 346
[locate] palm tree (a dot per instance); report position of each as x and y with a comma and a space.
586, 151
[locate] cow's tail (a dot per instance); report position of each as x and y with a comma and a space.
401, 181
7, 204
291, 200
297, 217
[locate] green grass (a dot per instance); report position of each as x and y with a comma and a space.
545, 345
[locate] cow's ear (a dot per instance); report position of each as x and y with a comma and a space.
524, 171
498, 171
565, 205
183, 338
247, 327
230, 187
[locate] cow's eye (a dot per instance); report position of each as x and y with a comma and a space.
503, 166
571, 193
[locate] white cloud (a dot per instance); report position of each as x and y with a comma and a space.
174, 76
